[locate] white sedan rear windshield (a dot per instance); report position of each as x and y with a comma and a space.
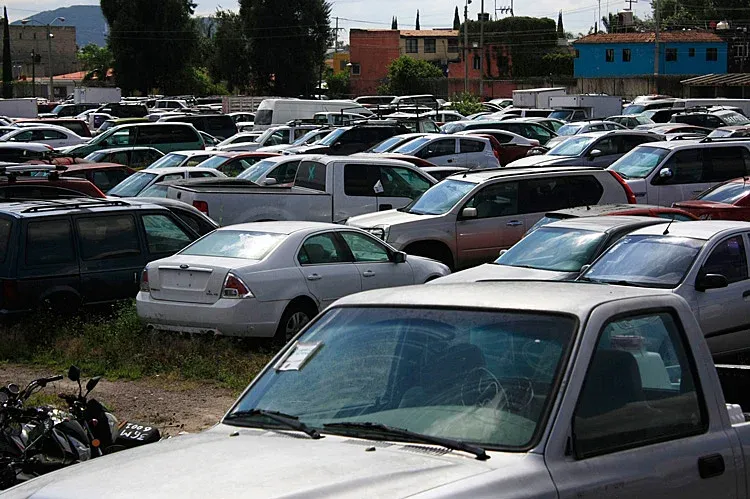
236, 244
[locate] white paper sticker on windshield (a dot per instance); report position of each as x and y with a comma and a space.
301, 353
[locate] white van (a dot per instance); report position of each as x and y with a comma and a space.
281, 111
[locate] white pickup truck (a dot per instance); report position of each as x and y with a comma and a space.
506, 389
326, 189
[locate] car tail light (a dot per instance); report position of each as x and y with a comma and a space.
628, 191
201, 206
235, 288
145, 287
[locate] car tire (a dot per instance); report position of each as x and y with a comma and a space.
295, 317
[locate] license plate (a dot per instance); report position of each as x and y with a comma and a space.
137, 433
185, 279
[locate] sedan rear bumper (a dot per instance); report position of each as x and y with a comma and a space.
230, 317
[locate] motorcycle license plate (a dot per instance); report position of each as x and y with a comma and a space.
136, 434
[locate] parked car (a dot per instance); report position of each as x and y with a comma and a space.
636, 210
326, 189
556, 251
664, 173
21, 152
452, 150
269, 279
242, 116
71, 252
239, 138
394, 142
659, 115
165, 137
70, 110
467, 219
139, 181
581, 127
117, 122
54, 136
599, 149
728, 200
311, 137
133, 157
276, 170
715, 119
273, 136
730, 132
79, 127
551, 123
209, 140
526, 129
464, 390
232, 164
441, 172
182, 158
630, 121
42, 182
351, 139
678, 128
511, 145
217, 125
704, 262
334, 118
444, 116
103, 175
193, 218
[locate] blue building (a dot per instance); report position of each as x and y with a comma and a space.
623, 55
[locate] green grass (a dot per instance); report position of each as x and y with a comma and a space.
116, 345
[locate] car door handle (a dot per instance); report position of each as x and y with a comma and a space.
368, 273
314, 277
698, 191
710, 466
514, 223
449, 161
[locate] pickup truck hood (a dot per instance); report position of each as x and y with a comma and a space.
490, 271
388, 217
542, 160
233, 462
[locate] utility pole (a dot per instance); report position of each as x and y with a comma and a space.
656, 46
33, 72
336, 41
466, 46
481, 53
51, 95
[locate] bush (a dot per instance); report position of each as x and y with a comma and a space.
558, 64
408, 76
466, 103
338, 85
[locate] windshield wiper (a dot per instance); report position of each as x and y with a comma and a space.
287, 420
382, 429
623, 176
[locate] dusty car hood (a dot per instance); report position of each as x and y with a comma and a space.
490, 271
388, 217
263, 463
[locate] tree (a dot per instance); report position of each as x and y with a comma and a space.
466, 103
560, 28
288, 44
230, 57
153, 43
456, 20
7, 62
416, 25
338, 84
394, 23
96, 61
408, 76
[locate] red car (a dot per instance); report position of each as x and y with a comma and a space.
729, 200
103, 175
30, 182
640, 210
508, 146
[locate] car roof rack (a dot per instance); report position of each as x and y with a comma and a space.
74, 206
4, 170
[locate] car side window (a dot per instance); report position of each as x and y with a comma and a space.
199, 175
727, 163
497, 200
640, 388
232, 168
361, 180
49, 242
606, 145
311, 175
469, 145
442, 147
321, 249
402, 182
729, 259
557, 193
112, 236
285, 173
687, 167
53, 135
163, 235
539, 133
172, 177
364, 248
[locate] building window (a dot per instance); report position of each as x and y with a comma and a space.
453, 45
610, 55
691, 52
356, 69
412, 45
625, 55
712, 54
671, 55
430, 46
477, 64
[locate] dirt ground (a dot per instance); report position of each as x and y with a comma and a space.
171, 405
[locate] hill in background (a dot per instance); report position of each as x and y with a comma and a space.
89, 21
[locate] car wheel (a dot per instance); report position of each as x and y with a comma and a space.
295, 317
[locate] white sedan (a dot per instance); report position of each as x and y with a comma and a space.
269, 279
52, 135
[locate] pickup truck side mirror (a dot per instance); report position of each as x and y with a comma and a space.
469, 213
665, 173
398, 257
710, 281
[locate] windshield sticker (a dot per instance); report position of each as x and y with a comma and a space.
300, 354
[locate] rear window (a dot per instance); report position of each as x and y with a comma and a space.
235, 244
49, 242
5, 226
311, 175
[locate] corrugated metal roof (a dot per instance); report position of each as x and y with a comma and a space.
719, 80
664, 37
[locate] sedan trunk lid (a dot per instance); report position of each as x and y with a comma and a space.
189, 278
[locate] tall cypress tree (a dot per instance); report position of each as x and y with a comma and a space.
456, 20
416, 25
7, 63
560, 29
394, 23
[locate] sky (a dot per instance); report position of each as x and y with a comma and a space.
578, 15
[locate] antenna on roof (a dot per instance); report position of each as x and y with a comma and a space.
666, 231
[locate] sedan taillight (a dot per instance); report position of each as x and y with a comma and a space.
234, 287
145, 287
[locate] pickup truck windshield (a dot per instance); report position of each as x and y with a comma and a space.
235, 244
648, 261
574, 146
132, 185
556, 249
440, 198
487, 378
639, 162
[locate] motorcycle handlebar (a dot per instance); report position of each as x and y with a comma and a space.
51, 379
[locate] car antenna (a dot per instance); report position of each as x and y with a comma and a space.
666, 231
